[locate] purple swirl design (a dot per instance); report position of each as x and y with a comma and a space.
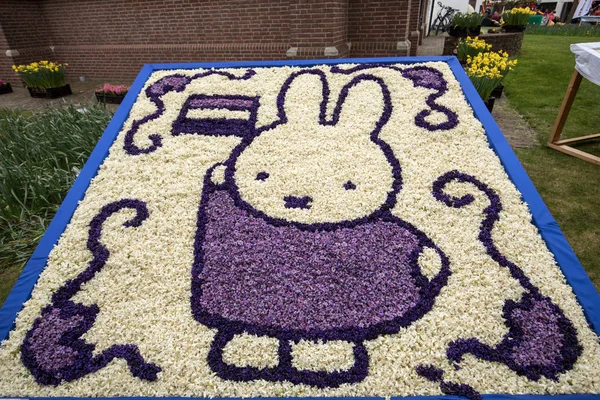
53, 350
541, 340
176, 83
171, 83
431, 78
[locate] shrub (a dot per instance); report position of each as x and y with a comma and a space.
564, 30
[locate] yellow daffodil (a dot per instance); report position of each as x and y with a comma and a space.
42, 74
517, 16
487, 69
471, 46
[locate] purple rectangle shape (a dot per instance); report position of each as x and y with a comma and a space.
220, 102
217, 126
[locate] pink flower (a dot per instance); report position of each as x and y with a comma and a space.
113, 89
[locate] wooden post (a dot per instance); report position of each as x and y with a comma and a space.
565, 108
554, 139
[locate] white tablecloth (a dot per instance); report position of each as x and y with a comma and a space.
587, 58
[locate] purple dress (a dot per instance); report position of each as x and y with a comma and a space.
267, 277
282, 276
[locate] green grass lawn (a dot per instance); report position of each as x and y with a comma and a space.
569, 186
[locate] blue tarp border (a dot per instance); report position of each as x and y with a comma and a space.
576, 276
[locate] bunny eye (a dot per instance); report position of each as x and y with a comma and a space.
261, 176
349, 185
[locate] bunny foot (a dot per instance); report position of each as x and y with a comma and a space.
285, 371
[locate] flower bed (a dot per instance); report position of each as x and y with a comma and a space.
112, 94
338, 230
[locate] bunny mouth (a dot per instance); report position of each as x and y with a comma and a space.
297, 202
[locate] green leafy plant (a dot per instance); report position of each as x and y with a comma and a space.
462, 20
470, 47
517, 16
40, 157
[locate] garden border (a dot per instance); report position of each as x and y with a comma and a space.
576, 276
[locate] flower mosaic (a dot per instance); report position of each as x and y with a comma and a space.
338, 230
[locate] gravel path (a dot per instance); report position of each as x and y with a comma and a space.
515, 128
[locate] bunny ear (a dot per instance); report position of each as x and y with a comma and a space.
303, 97
364, 104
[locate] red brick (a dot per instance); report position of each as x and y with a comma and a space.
114, 38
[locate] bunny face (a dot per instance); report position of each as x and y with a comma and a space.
308, 169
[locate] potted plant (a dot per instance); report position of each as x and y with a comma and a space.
486, 71
44, 79
113, 94
470, 47
515, 20
5, 87
464, 25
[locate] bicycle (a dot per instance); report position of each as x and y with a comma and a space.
443, 21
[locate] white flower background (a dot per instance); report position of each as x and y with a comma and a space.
143, 292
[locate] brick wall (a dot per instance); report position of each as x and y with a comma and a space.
414, 28
117, 22
23, 23
23, 31
318, 28
383, 28
5, 61
377, 28
114, 38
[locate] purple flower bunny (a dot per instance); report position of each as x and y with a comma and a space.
289, 248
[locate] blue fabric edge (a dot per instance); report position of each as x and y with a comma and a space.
576, 276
